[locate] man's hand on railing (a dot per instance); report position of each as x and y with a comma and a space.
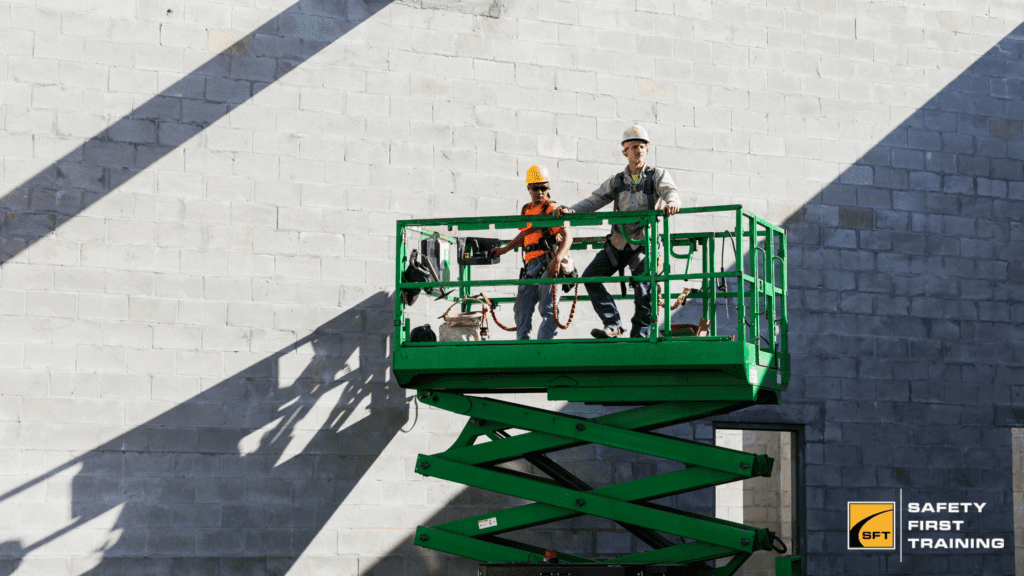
560, 211
670, 209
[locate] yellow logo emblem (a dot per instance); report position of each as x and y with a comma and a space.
872, 525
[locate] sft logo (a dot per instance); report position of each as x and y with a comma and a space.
872, 525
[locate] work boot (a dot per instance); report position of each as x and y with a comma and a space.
607, 332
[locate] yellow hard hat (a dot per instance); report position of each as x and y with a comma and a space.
537, 174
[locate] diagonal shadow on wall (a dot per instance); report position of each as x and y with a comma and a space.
906, 286
132, 144
197, 500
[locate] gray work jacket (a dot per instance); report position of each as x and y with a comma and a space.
630, 198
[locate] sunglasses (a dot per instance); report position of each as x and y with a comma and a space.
538, 188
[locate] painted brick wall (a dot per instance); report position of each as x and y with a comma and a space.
198, 202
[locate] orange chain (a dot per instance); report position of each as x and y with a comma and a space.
496, 321
554, 311
554, 304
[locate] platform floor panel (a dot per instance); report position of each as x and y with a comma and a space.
688, 365
524, 569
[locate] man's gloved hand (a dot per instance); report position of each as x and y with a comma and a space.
560, 211
671, 208
498, 251
553, 267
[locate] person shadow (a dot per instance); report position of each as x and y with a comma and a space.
241, 478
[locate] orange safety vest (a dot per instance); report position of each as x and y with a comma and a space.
542, 240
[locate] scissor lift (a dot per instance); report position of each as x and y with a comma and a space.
665, 379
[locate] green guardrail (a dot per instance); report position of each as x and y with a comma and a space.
746, 302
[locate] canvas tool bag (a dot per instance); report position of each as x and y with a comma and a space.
464, 326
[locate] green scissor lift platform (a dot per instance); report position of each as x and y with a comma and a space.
662, 380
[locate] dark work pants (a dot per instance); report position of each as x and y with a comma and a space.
605, 264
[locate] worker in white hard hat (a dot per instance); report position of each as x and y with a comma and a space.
638, 187
543, 251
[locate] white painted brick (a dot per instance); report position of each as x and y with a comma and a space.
18, 43
180, 36
159, 58
49, 357
142, 411
519, 52
494, 72
556, 56
51, 304
228, 238
91, 411
207, 364
100, 359
34, 19
31, 70
208, 162
99, 51
276, 143
58, 46
173, 388
179, 235
176, 337
294, 318
226, 339
302, 267
104, 256
46, 410
11, 355
56, 98
514, 98
129, 335
474, 46
177, 286
250, 315
14, 95
54, 253
18, 276
203, 313
125, 386
252, 117
473, 92
318, 244
301, 170
367, 105
320, 148
203, 262
228, 139
18, 119
158, 310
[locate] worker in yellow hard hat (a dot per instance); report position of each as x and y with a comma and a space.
638, 187
543, 251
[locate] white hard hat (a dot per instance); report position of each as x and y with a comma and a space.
635, 132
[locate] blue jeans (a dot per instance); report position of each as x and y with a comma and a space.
602, 300
528, 298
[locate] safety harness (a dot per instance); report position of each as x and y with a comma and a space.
620, 184
623, 183
542, 240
